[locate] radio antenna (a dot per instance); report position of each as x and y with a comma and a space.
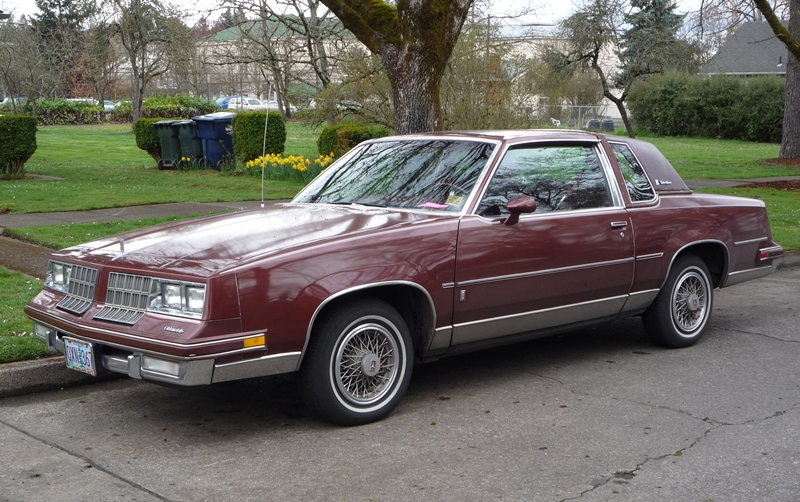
264, 145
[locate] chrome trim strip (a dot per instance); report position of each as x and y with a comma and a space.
652, 185
362, 287
485, 329
448, 285
263, 366
440, 339
649, 256
611, 179
750, 241
750, 274
143, 339
640, 300
690, 244
523, 275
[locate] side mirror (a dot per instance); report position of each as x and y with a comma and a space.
522, 204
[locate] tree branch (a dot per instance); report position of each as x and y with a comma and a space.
780, 31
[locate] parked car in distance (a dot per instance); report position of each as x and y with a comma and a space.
244, 103
223, 102
109, 106
405, 250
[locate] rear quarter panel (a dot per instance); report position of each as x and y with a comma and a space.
678, 221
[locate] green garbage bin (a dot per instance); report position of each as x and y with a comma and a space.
191, 145
170, 144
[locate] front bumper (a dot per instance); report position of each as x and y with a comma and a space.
177, 371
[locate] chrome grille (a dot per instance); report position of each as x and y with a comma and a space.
126, 298
81, 290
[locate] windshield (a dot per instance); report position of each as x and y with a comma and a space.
411, 174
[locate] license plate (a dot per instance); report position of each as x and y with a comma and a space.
79, 356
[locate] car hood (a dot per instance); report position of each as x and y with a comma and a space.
214, 244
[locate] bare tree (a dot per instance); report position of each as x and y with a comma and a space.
24, 67
148, 32
636, 44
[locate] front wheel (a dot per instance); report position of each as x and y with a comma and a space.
680, 312
358, 364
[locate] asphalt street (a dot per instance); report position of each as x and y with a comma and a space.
597, 414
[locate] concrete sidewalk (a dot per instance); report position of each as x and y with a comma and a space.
126, 213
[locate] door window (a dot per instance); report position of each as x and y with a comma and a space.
559, 178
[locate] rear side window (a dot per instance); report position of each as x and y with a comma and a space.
636, 181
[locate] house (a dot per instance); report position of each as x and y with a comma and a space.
752, 50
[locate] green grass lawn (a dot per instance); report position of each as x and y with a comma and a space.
702, 158
63, 236
17, 342
100, 166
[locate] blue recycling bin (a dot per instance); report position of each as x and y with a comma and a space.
214, 130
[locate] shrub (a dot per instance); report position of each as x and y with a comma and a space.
181, 106
340, 138
147, 138
727, 107
18, 140
63, 112
248, 135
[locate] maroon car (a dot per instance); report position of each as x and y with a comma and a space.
406, 250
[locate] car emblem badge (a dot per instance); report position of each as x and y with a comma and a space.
173, 330
370, 365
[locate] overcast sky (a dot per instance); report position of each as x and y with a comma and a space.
546, 11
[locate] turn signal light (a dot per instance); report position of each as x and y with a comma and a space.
255, 341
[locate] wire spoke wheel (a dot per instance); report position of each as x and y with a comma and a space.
689, 302
679, 314
358, 363
365, 364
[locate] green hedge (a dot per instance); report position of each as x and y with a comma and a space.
18, 140
63, 112
248, 135
726, 107
340, 138
147, 138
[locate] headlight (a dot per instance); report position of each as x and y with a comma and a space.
177, 298
58, 276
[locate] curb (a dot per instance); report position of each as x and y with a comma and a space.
790, 259
26, 377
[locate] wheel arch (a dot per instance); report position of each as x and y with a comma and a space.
714, 254
411, 301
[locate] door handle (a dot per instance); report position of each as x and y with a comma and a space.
619, 224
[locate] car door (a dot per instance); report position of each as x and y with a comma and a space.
570, 261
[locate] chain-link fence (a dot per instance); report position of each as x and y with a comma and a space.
603, 117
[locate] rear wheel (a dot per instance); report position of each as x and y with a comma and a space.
680, 313
358, 363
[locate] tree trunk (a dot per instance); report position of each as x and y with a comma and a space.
790, 146
415, 90
414, 41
